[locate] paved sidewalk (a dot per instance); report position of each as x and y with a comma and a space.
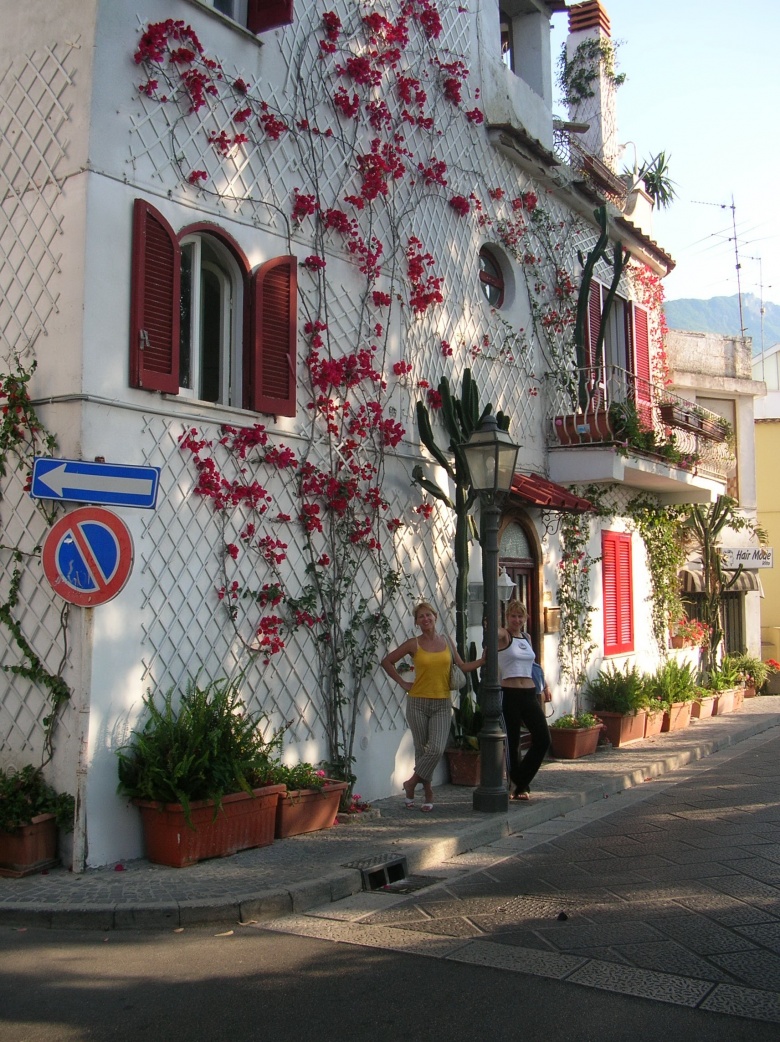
297, 874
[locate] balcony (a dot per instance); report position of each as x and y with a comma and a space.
606, 425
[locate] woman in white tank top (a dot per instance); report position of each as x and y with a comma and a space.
521, 704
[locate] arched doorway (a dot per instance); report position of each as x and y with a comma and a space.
519, 554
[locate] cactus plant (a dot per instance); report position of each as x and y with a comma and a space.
462, 416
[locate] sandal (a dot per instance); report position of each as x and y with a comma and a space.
521, 797
426, 808
409, 804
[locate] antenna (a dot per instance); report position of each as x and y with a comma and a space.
733, 208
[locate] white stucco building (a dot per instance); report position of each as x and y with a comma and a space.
213, 221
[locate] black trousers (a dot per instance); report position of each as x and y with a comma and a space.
521, 707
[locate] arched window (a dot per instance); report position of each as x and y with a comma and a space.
491, 278
212, 302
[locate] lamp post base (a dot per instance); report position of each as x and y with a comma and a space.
491, 801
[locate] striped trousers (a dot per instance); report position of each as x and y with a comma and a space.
429, 720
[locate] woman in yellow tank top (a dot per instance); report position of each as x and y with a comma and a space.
428, 706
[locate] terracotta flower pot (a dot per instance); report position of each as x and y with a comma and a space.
464, 766
704, 707
622, 728
570, 743
739, 698
750, 692
654, 720
677, 716
242, 821
724, 703
30, 848
308, 810
583, 428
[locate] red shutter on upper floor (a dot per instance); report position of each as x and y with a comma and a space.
641, 350
271, 385
262, 15
617, 590
154, 302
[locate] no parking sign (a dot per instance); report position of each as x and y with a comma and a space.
88, 556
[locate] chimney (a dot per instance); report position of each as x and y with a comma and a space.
589, 50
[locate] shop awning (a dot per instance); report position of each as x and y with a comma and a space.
692, 581
539, 492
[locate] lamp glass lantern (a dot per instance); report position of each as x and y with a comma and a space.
490, 456
505, 587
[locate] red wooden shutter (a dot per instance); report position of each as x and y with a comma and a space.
641, 354
262, 15
617, 589
594, 378
154, 302
272, 367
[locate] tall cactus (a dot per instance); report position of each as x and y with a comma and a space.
462, 416
618, 262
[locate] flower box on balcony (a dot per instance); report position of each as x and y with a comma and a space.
583, 428
687, 419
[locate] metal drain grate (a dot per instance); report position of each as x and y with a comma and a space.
410, 885
378, 872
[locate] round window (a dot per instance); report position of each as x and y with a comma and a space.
490, 278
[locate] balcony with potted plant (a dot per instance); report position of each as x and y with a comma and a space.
607, 425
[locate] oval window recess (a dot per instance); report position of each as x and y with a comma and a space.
491, 278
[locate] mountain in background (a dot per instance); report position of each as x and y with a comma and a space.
721, 315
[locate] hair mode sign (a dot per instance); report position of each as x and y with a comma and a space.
747, 556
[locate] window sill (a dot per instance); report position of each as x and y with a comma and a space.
237, 27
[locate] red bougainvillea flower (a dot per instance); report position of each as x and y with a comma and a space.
475, 116
434, 399
314, 263
460, 205
196, 176
402, 368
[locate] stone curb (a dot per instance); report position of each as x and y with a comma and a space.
421, 852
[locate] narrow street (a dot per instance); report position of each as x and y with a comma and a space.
672, 925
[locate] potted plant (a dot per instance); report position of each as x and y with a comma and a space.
724, 682
575, 736
463, 751
753, 671
30, 814
673, 688
311, 801
689, 633
199, 770
618, 699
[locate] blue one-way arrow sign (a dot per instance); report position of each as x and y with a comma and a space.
109, 484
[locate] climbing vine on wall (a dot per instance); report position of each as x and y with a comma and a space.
22, 437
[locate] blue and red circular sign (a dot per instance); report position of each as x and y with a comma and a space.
88, 556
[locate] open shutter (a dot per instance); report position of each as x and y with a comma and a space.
641, 353
274, 335
154, 302
594, 376
262, 15
617, 589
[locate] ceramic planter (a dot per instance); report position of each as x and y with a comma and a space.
570, 743
464, 766
677, 716
622, 728
654, 720
583, 428
724, 703
704, 707
242, 821
750, 692
30, 848
308, 810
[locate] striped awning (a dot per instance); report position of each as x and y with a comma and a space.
540, 492
692, 581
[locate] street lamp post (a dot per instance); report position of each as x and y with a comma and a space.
490, 456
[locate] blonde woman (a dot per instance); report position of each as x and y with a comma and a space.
428, 705
521, 704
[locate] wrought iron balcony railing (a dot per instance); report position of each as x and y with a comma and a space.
610, 406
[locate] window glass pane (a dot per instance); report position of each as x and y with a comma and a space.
185, 310
491, 279
514, 543
210, 334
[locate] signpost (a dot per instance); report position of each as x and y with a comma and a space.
88, 556
109, 484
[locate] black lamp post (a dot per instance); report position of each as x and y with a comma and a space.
490, 456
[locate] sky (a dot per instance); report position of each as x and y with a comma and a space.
702, 85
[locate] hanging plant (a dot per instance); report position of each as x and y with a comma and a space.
575, 638
577, 75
